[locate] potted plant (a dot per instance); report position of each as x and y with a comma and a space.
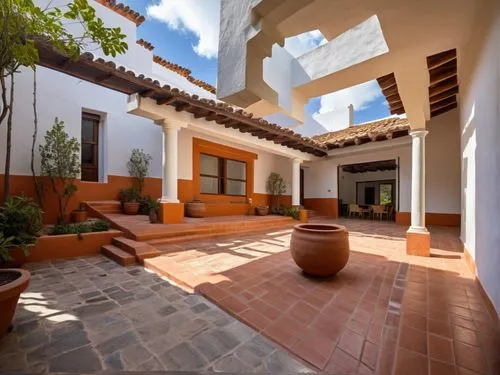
262, 210
275, 186
138, 168
195, 208
13, 282
20, 226
79, 215
130, 201
60, 160
153, 207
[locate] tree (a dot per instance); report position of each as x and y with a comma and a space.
138, 167
276, 186
61, 163
23, 25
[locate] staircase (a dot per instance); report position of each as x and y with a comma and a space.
126, 252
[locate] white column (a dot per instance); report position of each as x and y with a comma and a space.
418, 181
170, 162
296, 182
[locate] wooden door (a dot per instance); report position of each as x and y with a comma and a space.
90, 147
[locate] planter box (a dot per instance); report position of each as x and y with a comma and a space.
66, 246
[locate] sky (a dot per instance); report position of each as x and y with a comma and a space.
186, 33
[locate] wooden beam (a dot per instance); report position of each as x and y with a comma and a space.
442, 73
103, 78
444, 109
387, 81
167, 100
212, 116
442, 58
443, 103
443, 86
443, 95
147, 93
182, 106
390, 91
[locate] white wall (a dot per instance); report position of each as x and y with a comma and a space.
264, 165
480, 133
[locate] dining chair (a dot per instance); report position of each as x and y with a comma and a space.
378, 211
354, 210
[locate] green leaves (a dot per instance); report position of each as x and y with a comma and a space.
275, 184
138, 167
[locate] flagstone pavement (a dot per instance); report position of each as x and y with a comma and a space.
89, 314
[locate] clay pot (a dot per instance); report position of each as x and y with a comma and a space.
153, 216
196, 209
320, 249
131, 208
262, 210
79, 216
13, 282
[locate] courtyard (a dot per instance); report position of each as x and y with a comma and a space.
238, 303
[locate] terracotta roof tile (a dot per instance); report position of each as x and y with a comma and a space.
123, 10
185, 72
145, 44
379, 130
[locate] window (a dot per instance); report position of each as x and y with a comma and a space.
90, 147
222, 176
385, 193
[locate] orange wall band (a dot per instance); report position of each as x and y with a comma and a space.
431, 218
323, 206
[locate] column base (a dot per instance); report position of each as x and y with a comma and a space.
171, 213
418, 242
303, 216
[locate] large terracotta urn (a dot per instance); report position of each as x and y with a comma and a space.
13, 282
195, 209
320, 249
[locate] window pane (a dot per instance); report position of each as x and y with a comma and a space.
209, 165
235, 187
209, 185
87, 130
88, 153
236, 170
385, 193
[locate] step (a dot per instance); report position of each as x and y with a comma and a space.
140, 250
118, 255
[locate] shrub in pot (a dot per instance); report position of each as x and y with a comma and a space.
262, 210
153, 208
12, 283
130, 200
196, 208
79, 215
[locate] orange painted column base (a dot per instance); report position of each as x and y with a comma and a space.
418, 243
171, 213
303, 216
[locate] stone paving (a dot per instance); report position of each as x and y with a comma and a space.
89, 314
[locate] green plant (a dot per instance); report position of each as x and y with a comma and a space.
153, 205
130, 195
20, 222
138, 167
144, 204
276, 186
292, 212
6, 245
24, 27
79, 228
100, 226
61, 163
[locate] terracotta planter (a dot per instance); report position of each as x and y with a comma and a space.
320, 249
195, 209
262, 210
12, 283
79, 216
153, 216
131, 208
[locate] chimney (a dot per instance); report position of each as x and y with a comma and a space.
351, 114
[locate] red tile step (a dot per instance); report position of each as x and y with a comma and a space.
139, 250
118, 255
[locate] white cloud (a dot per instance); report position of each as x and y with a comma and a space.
305, 42
200, 17
333, 111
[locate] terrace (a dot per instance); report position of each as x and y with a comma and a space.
238, 303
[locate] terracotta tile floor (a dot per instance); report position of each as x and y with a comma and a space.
385, 313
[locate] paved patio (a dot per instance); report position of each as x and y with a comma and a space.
89, 314
385, 313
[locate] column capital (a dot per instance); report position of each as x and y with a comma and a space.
297, 161
170, 125
418, 133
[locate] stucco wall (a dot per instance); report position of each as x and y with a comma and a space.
264, 165
480, 132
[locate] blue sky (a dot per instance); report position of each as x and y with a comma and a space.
185, 32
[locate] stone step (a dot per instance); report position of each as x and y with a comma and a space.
118, 255
140, 250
